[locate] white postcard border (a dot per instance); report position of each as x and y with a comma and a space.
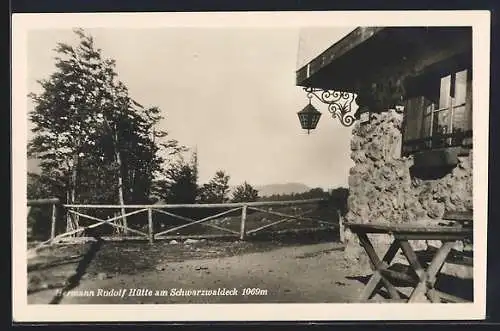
22, 23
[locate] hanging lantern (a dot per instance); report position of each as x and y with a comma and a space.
309, 117
339, 105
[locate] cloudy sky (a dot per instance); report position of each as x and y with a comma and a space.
229, 92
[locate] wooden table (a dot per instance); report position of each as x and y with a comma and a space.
422, 276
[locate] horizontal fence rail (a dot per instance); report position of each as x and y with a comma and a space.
202, 205
233, 213
42, 202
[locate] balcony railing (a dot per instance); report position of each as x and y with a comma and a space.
455, 139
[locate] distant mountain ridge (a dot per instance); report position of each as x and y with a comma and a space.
284, 188
264, 190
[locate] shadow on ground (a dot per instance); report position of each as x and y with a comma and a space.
74, 280
58, 263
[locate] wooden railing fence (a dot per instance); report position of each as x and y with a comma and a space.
52, 203
76, 212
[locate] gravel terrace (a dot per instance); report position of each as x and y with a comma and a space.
278, 272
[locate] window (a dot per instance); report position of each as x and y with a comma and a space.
438, 112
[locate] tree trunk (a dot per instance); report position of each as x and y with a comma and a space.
74, 179
120, 184
74, 176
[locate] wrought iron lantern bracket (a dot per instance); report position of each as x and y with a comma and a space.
339, 103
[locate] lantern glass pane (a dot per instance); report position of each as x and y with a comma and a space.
303, 120
314, 121
309, 117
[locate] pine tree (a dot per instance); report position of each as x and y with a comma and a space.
66, 115
91, 135
216, 190
245, 193
180, 183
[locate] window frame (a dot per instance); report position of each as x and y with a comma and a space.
419, 90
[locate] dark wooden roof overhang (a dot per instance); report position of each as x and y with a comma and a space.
359, 55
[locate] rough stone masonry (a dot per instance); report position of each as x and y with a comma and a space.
382, 190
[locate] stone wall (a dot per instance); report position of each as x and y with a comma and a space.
381, 188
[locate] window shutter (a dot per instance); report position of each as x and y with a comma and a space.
445, 92
460, 111
468, 102
467, 142
427, 121
414, 112
442, 118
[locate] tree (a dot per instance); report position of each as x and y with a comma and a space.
65, 119
338, 197
315, 193
40, 187
181, 183
216, 190
245, 193
91, 134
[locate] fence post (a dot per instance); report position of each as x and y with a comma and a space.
53, 223
124, 221
341, 227
68, 220
243, 220
150, 225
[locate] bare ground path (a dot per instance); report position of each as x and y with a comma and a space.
313, 273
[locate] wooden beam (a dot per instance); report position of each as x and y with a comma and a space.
110, 221
81, 229
435, 236
291, 216
243, 221
72, 240
203, 205
371, 286
274, 223
405, 229
377, 266
75, 240
150, 226
412, 258
268, 225
428, 280
199, 221
40, 202
53, 222
346, 67
187, 219
198, 236
438, 260
343, 46
296, 231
